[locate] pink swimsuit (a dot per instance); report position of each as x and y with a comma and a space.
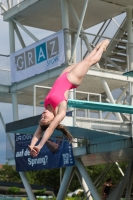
56, 94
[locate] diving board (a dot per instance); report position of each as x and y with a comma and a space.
129, 73
91, 105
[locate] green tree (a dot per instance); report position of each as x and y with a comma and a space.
8, 173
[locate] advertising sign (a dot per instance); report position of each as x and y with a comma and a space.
37, 58
55, 153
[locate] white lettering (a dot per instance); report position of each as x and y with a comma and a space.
21, 62
20, 153
52, 51
41, 54
30, 58
36, 161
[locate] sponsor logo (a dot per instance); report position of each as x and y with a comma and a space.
47, 51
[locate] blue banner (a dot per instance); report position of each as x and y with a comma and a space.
55, 153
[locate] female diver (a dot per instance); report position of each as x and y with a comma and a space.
56, 100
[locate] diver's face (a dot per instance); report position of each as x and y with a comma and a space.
46, 117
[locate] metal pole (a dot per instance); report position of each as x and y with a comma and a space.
3, 7
7, 134
84, 185
79, 28
15, 111
119, 189
15, 106
11, 37
19, 36
34, 100
26, 30
9, 4
107, 90
130, 53
65, 182
84, 37
119, 168
27, 186
124, 181
65, 24
118, 100
129, 186
87, 178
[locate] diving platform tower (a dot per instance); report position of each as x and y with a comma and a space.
107, 140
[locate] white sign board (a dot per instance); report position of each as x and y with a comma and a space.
37, 58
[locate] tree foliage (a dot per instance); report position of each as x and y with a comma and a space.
51, 177
13, 190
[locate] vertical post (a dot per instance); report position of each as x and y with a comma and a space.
34, 100
15, 111
65, 24
11, 37
87, 178
84, 185
107, 90
130, 53
79, 27
100, 112
84, 37
129, 186
65, 182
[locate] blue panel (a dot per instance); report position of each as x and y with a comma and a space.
100, 106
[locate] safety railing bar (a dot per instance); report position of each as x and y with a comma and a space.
104, 37
99, 32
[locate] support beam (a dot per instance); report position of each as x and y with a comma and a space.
83, 36
15, 106
26, 30
65, 24
15, 111
117, 164
19, 37
87, 178
103, 174
27, 186
11, 37
3, 7
107, 90
112, 62
118, 191
130, 181
84, 185
7, 134
129, 11
79, 28
118, 100
65, 182
9, 4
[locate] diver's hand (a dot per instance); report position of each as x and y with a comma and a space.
35, 151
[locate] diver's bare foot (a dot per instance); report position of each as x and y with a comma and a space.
104, 44
99, 44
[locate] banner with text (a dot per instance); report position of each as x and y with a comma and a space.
55, 153
37, 58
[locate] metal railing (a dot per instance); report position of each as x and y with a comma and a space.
79, 112
8, 4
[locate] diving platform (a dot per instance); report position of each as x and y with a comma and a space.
98, 141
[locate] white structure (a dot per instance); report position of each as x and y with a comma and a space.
112, 139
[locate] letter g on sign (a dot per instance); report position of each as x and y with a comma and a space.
20, 62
